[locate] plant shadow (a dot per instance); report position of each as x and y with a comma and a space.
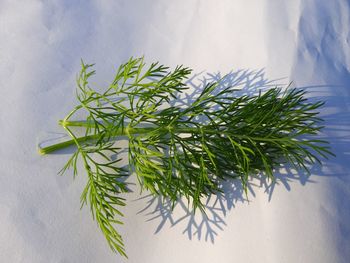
207, 225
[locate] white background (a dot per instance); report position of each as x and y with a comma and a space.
41, 42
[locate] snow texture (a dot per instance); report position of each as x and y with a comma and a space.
299, 219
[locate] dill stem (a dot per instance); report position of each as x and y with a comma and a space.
64, 144
68, 143
139, 130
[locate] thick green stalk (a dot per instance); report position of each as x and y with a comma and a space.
58, 146
65, 144
127, 131
120, 132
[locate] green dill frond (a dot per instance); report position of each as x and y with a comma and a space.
182, 151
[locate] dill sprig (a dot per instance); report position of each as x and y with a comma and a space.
182, 151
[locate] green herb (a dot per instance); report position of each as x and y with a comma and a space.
182, 151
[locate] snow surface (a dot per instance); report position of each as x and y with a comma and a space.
299, 219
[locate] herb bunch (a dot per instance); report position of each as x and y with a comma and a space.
182, 151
